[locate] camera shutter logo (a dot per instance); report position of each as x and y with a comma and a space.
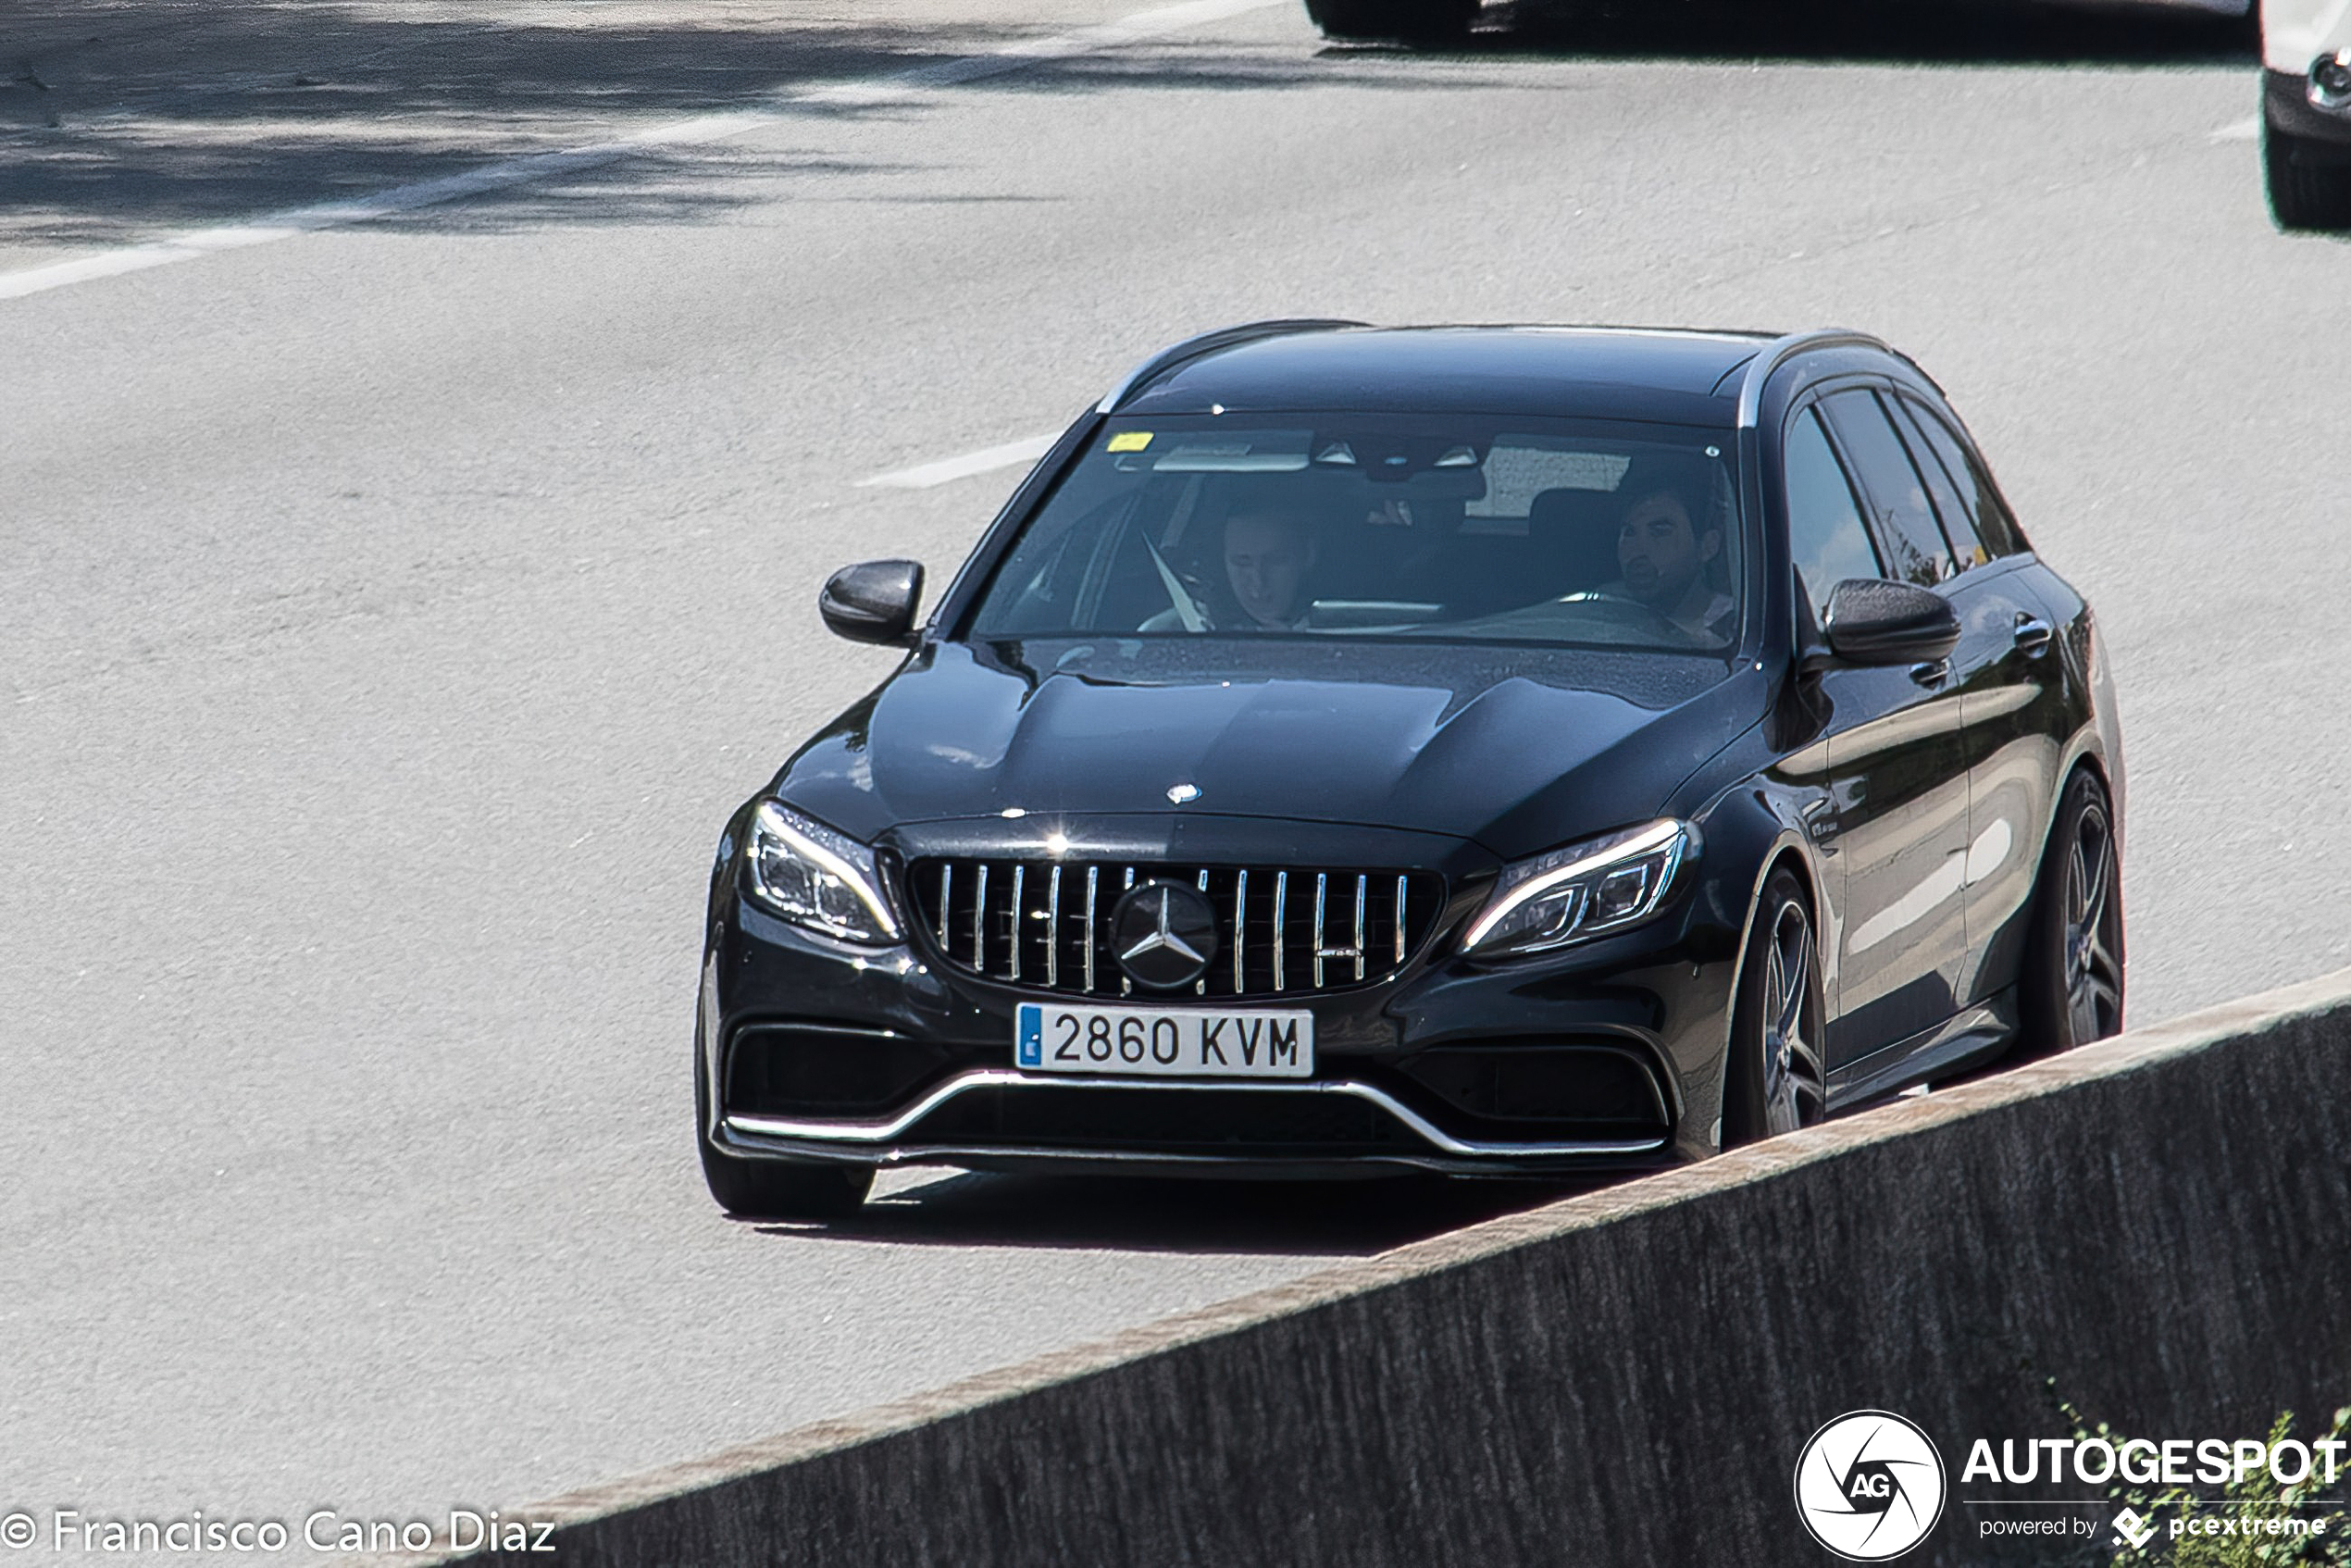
1870, 1486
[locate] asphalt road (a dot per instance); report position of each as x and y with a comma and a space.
396, 609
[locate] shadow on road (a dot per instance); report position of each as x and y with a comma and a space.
120, 118
1137, 1214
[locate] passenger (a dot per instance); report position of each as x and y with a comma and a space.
1668, 559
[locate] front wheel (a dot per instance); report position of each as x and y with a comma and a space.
1401, 21
1774, 1081
2310, 181
2071, 992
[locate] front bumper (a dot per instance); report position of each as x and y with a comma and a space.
2288, 105
1602, 1057
1269, 1125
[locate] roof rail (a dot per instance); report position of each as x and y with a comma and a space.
1779, 351
1166, 359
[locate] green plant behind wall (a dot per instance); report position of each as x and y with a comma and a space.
2255, 1500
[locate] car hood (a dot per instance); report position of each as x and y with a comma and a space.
1516, 749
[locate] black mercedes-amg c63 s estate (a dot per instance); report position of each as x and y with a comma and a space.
1475, 749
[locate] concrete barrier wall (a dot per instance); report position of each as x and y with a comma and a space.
2162, 1223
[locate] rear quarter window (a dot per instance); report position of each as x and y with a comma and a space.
1994, 527
1908, 535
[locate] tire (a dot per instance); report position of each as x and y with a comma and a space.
2310, 181
771, 1189
1400, 21
1774, 1081
2070, 991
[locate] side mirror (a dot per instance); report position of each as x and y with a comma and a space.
1872, 621
873, 602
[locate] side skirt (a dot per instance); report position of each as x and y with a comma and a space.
1973, 1033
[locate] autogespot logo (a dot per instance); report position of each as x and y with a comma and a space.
1869, 1486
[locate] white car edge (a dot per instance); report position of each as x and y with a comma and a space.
2305, 112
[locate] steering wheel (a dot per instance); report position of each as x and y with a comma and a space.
1657, 619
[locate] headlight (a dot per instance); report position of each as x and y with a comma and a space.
1587, 889
815, 877
2330, 81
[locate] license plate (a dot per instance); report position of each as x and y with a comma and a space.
1164, 1042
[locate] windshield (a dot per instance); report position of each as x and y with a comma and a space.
1465, 527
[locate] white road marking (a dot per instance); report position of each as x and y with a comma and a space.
2245, 130
963, 467
901, 87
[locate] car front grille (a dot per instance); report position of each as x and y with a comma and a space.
1281, 931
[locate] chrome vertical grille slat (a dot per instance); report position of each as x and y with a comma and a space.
1200, 987
1125, 986
1020, 912
1322, 895
1361, 887
1400, 894
1093, 876
1240, 938
1053, 931
987, 916
1281, 925
980, 920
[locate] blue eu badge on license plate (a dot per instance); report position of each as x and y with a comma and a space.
1030, 1053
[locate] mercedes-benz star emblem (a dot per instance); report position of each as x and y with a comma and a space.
1165, 934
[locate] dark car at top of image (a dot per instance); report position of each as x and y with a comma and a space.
1490, 751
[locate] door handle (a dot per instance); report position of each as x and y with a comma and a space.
1934, 672
2032, 635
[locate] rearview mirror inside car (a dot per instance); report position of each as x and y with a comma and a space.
1872, 621
872, 601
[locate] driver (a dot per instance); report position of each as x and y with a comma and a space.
1667, 558
1268, 551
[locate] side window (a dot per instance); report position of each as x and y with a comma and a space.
1993, 525
1959, 522
1907, 532
1824, 534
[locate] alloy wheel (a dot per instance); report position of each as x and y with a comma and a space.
2093, 970
1793, 1083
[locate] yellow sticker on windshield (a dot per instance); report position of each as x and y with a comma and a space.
1129, 441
